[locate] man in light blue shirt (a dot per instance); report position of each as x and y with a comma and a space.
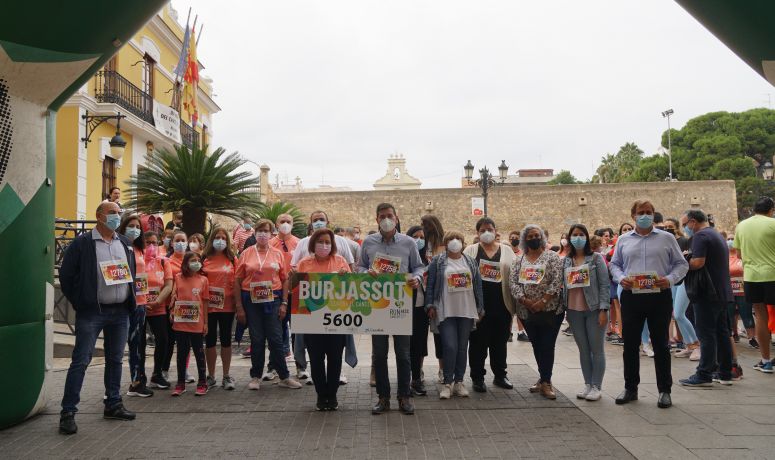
391, 252
646, 263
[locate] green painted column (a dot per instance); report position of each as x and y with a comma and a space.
44, 58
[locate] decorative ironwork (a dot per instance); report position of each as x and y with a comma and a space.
188, 135
65, 232
93, 121
112, 87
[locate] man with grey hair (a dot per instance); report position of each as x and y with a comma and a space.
97, 276
709, 251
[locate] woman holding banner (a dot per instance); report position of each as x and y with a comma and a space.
260, 287
325, 350
454, 303
536, 282
586, 298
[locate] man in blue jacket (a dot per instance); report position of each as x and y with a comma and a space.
97, 276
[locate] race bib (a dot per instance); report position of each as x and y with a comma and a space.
384, 263
217, 296
737, 287
141, 284
576, 277
186, 311
490, 271
152, 295
644, 283
115, 272
459, 281
531, 274
261, 292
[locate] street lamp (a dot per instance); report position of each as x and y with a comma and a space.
666, 114
486, 179
117, 143
767, 171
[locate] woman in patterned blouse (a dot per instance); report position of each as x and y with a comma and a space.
536, 282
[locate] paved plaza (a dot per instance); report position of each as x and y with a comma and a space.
719, 422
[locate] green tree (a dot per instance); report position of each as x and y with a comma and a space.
195, 183
617, 168
274, 210
564, 177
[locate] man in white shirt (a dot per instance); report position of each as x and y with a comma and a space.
318, 220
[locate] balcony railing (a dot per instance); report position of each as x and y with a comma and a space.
113, 88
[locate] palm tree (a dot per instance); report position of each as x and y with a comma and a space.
195, 183
274, 210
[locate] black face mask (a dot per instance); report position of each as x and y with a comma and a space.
535, 243
515, 242
670, 231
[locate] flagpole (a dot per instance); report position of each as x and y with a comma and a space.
200, 34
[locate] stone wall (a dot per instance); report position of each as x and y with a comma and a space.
555, 207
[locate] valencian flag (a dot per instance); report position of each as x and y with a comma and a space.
191, 77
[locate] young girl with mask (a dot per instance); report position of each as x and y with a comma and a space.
196, 243
159, 271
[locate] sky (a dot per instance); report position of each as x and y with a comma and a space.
328, 90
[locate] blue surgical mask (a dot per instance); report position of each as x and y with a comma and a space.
318, 224
219, 244
731, 244
167, 242
247, 226
112, 221
578, 242
420, 243
180, 246
644, 221
195, 266
688, 232
132, 233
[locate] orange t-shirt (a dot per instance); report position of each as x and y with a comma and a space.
176, 260
735, 266
257, 266
159, 270
220, 274
290, 245
141, 278
333, 264
191, 296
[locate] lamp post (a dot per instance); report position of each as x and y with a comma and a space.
486, 179
766, 170
117, 143
666, 114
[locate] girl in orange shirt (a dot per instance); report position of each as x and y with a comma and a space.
179, 246
325, 350
219, 267
189, 319
260, 287
159, 271
131, 228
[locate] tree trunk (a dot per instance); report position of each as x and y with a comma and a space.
194, 220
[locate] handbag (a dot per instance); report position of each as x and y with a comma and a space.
699, 285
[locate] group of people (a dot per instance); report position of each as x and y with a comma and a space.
188, 290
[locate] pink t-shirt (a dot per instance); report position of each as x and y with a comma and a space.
220, 274
159, 270
333, 264
255, 265
576, 300
189, 311
141, 278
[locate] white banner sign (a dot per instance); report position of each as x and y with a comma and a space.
167, 121
477, 206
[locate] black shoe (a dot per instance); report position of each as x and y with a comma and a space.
118, 412
157, 381
67, 423
503, 383
522, 337
418, 388
406, 405
627, 396
140, 390
479, 386
332, 404
322, 404
511, 337
664, 401
383, 405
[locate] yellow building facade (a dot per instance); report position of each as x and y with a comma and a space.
136, 80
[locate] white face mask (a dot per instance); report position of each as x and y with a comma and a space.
193, 246
387, 225
454, 246
285, 228
487, 237
563, 242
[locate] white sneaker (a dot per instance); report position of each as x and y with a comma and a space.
190, 378
441, 376
684, 353
583, 393
255, 383
228, 383
342, 380
301, 375
648, 350
695, 356
446, 391
460, 390
271, 375
290, 383
594, 394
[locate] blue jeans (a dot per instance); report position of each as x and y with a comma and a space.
113, 322
454, 338
379, 354
680, 304
715, 347
589, 337
136, 344
264, 326
543, 337
745, 309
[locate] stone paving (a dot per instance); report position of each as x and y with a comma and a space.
735, 422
